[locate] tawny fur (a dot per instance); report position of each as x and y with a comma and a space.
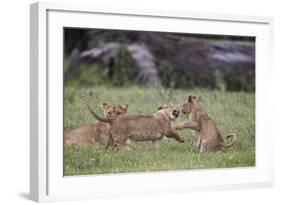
209, 138
141, 127
97, 132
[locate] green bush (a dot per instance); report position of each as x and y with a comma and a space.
171, 79
238, 84
87, 75
219, 80
123, 71
167, 74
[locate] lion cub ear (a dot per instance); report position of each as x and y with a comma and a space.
104, 105
162, 107
125, 107
191, 98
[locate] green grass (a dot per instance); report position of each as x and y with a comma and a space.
233, 112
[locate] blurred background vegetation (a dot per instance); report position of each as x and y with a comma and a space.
172, 60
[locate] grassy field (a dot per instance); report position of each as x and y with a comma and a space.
233, 112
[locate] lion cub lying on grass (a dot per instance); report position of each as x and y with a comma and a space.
209, 138
141, 127
96, 132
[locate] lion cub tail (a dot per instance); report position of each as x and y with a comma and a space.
233, 140
102, 119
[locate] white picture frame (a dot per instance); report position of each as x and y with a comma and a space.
47, 182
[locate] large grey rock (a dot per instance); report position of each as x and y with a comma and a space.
107, 52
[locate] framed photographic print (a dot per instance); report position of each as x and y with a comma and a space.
130, 102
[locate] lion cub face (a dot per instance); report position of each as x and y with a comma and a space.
114, 110
187, 107
170, 112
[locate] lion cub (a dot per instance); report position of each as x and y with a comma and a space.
96, 132
141, 127
209, 138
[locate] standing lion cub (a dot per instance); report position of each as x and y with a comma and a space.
96, 132
141, 127
209, 138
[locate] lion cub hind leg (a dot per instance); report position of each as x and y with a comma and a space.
199, 143
209, 146
157, 144
118, 141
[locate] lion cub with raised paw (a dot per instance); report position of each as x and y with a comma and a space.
209, 138
141, 127
96, 132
